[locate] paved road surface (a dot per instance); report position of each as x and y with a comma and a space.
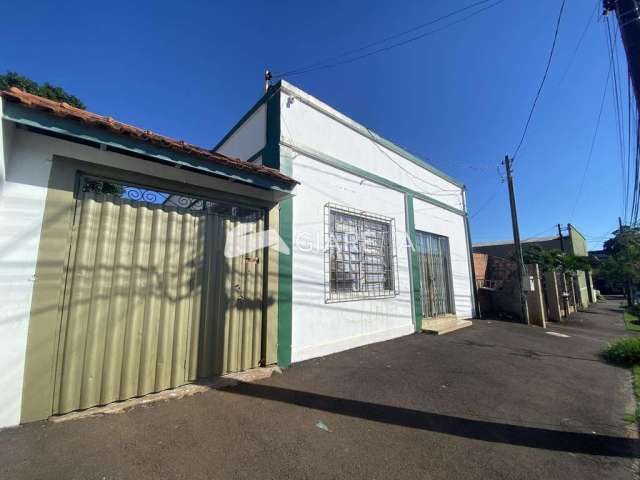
497, 400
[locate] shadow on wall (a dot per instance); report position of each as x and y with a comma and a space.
150, 303
532, 437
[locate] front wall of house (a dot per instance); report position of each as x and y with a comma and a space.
307, 127
320, 328
432, 219
29, 288
22, 202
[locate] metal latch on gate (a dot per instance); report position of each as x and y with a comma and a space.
255, 260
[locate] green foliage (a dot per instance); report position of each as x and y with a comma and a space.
577, 262
623, 261
547, 259
99, 186
550, 260
631, 318
46, 90
624, 352
633, 311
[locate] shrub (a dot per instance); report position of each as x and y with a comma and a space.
634, 310
625, 352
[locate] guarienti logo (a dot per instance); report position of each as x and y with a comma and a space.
243, 240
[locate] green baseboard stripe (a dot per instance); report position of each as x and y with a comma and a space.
285, 284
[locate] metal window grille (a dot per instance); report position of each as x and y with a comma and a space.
138, 193
360, 255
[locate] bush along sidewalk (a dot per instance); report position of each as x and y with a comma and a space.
626, 353
631, 318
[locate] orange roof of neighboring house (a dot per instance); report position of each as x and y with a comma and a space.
62, 109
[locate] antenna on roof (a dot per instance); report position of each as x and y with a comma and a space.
267, 79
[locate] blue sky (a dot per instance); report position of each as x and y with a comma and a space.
458, 98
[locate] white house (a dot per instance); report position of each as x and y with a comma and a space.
355, 184
115, 273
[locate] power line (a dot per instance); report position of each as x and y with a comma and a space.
618, 109
381, 41
487, 201
581, 39
323, 65
544, 78
593, 142
553, 227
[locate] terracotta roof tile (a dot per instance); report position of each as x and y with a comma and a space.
62, 109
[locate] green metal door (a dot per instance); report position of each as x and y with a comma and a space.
151, 301
435, 274
231, 336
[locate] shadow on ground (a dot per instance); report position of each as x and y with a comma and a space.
591, 444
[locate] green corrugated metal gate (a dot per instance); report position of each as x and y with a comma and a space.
151, 302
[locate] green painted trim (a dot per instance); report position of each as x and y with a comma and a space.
285, 283
346, 167
73, 130
255, 155
244, 118
364, 131
416, 291
271, 155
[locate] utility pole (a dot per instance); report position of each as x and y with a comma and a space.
565, 293
516, 239
628, 15
627, 283
560, 237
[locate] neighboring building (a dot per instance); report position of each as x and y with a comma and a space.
356, 184
574, 242
114, 283
116, 275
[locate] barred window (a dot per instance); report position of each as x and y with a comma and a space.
360, 260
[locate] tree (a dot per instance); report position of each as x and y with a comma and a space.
46, 90
622, 263
548, 260
555, 260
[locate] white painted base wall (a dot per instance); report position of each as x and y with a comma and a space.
319, 328
22, 200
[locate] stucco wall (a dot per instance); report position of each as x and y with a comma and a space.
249, 138
21, 208
309, 127
432, 219
319, 328
22, 204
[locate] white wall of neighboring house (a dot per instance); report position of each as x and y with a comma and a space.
249, 138
22, 202
320, 328
26, 158
432, 219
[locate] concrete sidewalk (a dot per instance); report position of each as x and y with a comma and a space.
497, 400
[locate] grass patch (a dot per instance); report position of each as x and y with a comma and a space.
631, 321
636, 390
624, 352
